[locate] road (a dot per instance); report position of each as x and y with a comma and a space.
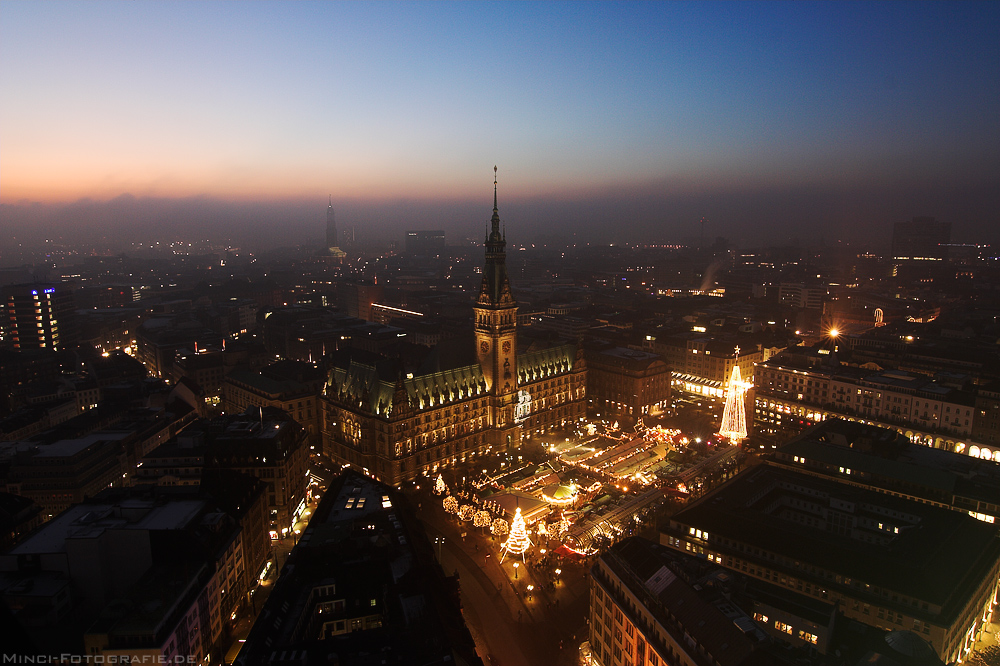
543, 630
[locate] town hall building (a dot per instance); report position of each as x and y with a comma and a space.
395, 418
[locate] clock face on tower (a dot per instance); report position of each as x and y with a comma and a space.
506, 346
484, 347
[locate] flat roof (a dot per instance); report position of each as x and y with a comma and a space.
910, 472
90, 520
836, 442
65, 448
932, 560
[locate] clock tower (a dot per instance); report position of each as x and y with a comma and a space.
496, 333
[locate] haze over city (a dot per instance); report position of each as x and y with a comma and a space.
500, 333
617, 122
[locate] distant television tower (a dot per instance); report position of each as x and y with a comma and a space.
331, 226
332, 247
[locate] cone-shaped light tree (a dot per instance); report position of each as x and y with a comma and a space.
734, 424
518, 542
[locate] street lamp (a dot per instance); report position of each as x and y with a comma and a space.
530, 588
516, 565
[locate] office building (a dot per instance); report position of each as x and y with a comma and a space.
40, 315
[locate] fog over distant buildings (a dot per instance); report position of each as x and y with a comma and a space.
653, 213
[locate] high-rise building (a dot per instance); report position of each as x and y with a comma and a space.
40, 315
923, 238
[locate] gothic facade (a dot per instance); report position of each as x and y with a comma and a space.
396, 419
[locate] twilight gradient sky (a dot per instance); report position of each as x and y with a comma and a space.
636, 118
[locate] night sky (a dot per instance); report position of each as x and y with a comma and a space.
628, 122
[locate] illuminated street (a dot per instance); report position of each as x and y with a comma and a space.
504, 621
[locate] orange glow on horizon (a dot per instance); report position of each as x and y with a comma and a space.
66, 185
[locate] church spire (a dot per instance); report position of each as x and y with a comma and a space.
495, 221
496, 287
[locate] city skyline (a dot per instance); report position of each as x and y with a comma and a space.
632, 121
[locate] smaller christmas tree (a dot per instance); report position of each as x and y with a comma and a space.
481, 519
518, 541
499, 527
450, 504
439, 487
466, 511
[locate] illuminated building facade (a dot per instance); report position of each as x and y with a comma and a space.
881, 560
800, 388
702, 364
40, 316
397, 418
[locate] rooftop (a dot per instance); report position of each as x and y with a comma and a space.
90, 520
933, 557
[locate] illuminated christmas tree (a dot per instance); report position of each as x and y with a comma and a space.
450, 504
518, 541
439, 487
734, 425
466, 511
481, 519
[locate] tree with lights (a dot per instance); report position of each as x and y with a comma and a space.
734, 424
466, 512
518, 541
439, 487
481, 519
450, 504
499, 527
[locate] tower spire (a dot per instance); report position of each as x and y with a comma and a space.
494, 188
